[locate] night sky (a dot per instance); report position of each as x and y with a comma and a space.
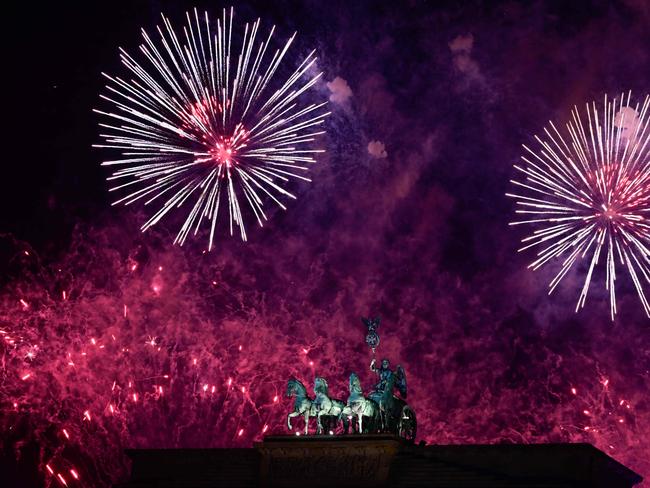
406, 217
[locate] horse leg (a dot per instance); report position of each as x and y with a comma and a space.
370, 412
339, 419
360, 416
289, 417
306, 421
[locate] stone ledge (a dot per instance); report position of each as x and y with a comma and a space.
377, 460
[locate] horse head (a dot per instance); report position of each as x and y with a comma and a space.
320, 386
355, 383
295, 387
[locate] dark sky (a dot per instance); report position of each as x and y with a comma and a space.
452, 89
528, 64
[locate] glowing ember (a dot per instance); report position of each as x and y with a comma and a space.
222, 154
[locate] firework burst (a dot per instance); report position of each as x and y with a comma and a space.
197, 124
587, 195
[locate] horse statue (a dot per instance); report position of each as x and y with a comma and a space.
361, 406
384, 409
323, 405
302, 405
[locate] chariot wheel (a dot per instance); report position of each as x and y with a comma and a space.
408, 425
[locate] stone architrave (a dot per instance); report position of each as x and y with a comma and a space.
359, 461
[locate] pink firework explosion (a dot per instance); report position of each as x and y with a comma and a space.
199, 124
588, 196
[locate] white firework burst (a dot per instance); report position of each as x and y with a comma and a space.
588, 195
197, 124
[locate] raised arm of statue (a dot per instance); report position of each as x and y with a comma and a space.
372, 366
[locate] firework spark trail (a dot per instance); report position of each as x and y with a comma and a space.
588, 195
84, 381
185, 369
201, 125
100, 380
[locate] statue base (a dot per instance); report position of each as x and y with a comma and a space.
357, 460
377, 460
